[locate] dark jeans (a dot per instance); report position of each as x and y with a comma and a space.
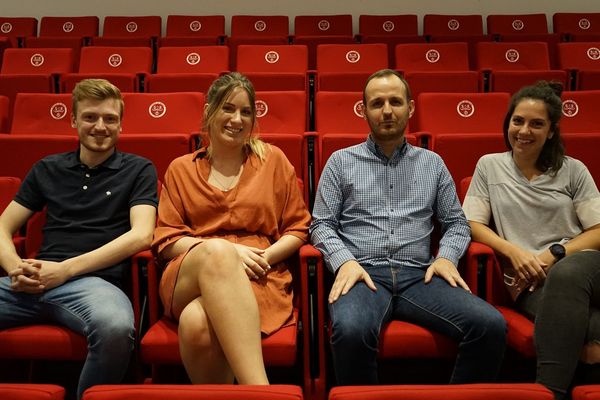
567, 315
358, 316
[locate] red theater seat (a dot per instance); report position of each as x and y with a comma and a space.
586, 392
129, 31
81, 27
579, 112
582, 61
17, 28
31, 391
577, 26
194, 30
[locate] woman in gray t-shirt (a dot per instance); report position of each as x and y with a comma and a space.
545, 208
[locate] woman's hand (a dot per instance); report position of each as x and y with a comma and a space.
253, 261
528, 266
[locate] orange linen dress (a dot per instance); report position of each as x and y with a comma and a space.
265, 204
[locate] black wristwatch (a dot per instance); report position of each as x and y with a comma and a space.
558, 251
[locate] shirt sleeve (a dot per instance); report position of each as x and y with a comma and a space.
586, 198
29, 195
456, 233
326, 215
477, 200
170, 225
145, 186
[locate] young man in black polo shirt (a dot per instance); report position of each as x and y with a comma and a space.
101, 208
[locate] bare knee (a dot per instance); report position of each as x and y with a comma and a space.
195, 332
215, 258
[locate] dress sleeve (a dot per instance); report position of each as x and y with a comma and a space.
170, 225
295, 217
477, 200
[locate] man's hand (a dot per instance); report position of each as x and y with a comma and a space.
253, 261
51, 273
447, 270
349, 273
26, 277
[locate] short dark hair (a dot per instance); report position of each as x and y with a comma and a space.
383, 73
553, 151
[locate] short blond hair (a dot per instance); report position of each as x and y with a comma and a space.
96, 89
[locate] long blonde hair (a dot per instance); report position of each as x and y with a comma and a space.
219, 92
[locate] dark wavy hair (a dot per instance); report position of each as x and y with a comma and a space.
553, 151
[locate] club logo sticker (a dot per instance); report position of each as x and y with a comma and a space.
359, 109
465, 108
6, 27
453, 25
570, 108
593, 53
388, 26
131, 27
272, 57
324, 25
68, 27
114, 60
37, 60
195, 26
157, 109
585, 24
352, 56
512, 55
58, 111
261, 108
260, 25
432, 56
518, 25
193, 58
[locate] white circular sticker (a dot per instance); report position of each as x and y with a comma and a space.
570, 108
465, 108
518, 25
37, 60
271, 57
323, 25
261, 108
58, 111
453, 25
114, 60
585, 24
157, 109
6, 27
260, 26
593, 53
195, 26
193, 58
352, 56
512, 55
131, 27
68, 27
359, 109
388, 26
432, 56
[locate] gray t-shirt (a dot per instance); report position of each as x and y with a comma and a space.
532, 214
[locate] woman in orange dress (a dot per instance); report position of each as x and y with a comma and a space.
229, 216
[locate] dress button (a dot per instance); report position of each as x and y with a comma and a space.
84, 187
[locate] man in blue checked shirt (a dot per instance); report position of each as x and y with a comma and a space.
372, 220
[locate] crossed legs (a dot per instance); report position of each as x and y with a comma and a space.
219, 323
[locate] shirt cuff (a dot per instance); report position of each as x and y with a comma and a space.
448, 254
337, 259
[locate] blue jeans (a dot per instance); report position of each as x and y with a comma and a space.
358, 316
90, 306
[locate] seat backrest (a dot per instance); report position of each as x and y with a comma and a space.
351, 57
260, 25
576, 23
37, 61
4, 113
412, 57
281, 111
132, 26
69, 26
388, 25
196, 25
323, 25
515, 56
461, 112
9, 186
584, 147
339, 112
163, 112
578, 56
517, 24
132, 60
18, 27
439, 24
214, 59
580, 112
43, 113
272, 58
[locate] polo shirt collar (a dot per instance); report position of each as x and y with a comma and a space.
376, 150
113, 162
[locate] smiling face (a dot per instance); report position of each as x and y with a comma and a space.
98, 124
233, 122
529, 128
387, 109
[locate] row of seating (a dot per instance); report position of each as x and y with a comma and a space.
571, 24
290, 392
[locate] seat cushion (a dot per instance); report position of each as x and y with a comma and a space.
51, 343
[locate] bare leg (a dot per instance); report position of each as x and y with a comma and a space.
213, 271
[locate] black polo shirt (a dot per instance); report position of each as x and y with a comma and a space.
87, 207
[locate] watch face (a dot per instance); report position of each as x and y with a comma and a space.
558, 251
